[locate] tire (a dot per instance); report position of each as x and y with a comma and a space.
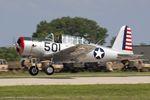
33, 70
49, 70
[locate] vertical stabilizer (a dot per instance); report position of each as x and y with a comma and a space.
123, 42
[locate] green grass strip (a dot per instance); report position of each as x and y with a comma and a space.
77, 92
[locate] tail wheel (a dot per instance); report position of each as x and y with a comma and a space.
33, 70
49, 70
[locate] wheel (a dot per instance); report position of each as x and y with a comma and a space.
49, 70
33, 70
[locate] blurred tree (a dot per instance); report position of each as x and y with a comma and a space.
142, 44
112, 41
9, 53
72, 26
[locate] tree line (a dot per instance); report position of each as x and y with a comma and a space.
9, 53
72, 26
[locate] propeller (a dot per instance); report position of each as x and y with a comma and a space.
18, 44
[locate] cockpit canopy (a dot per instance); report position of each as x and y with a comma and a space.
62, 39
67, 39
74, 39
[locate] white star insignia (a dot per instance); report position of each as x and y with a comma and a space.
99, 53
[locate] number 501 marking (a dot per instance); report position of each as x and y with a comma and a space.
54, 47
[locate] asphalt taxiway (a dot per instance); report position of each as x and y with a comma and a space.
75, 80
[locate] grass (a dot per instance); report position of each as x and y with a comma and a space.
76, 92
80, 74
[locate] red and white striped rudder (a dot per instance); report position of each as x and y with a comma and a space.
123, 42
127, 41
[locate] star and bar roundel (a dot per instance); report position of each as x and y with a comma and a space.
99, 53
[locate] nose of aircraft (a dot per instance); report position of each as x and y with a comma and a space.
20, 45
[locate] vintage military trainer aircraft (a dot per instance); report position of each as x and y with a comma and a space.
75, 49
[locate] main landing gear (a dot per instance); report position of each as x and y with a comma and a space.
49, 70
34, 65
33, 70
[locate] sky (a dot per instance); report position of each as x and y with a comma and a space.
20, 17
